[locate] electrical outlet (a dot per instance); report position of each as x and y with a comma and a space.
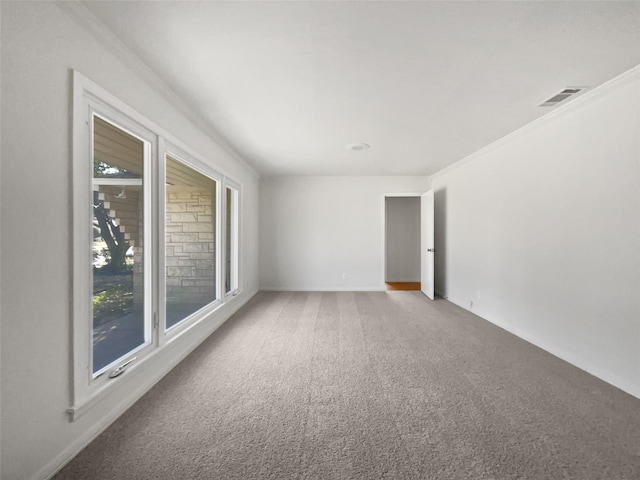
344, 276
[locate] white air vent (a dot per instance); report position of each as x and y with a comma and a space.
562, 96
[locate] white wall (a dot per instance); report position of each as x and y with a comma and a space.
40, 46
314, 229
403, 239
541, 231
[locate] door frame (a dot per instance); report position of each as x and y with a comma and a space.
427, 244
384, 230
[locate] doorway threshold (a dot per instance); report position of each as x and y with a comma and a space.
403, 286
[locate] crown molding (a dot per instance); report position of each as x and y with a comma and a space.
588, 96
78, 12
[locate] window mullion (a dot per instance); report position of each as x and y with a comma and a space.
160, 215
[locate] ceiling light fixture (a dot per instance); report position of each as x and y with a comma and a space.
358, 147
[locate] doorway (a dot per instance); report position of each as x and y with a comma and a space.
402, 242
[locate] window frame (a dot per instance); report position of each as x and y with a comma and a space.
235, 238
88, 99
117, 120
191, 161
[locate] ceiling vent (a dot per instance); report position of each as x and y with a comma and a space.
562, 96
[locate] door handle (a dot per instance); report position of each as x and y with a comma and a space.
431, 250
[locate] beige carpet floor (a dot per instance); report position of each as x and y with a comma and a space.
368, 386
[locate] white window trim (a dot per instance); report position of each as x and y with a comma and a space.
87, 98
90, 101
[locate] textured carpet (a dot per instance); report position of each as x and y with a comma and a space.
368, 386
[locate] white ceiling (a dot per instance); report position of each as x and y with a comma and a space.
290, 84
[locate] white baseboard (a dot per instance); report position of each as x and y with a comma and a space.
582, 364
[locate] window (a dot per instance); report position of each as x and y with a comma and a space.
190, 240
231, 240
155, 240
121, 323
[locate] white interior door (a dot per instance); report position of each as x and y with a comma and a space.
427, 250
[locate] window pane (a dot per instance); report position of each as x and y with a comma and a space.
118, 275
190, 241
227, 253
231, 240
